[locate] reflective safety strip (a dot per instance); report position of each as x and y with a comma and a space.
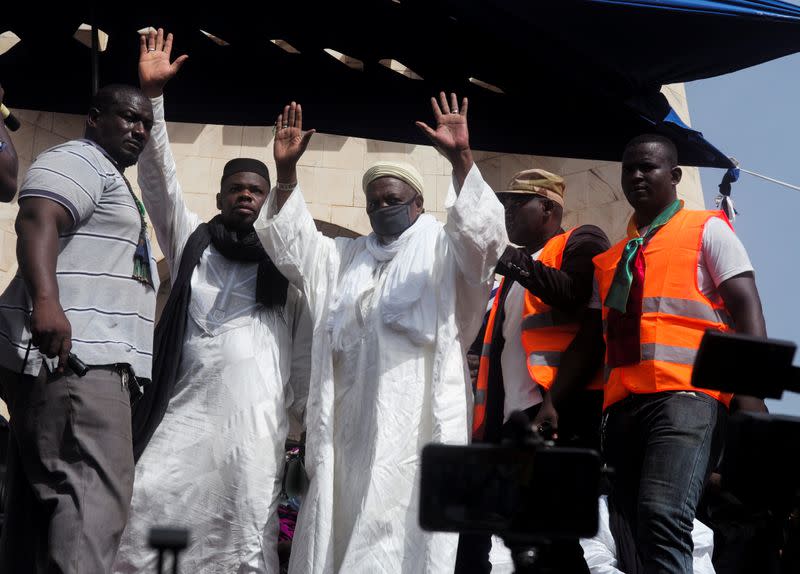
480, 397
686, 308
487, 347
664, 353
668, 353
552, 318
544, 359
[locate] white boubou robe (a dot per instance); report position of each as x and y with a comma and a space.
214, 464
382, 394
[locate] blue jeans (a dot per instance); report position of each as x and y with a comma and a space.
662, 447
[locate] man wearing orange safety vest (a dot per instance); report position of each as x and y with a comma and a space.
678, 273
535, 314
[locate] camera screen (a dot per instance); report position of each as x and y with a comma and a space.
510, 490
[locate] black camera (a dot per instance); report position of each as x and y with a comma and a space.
759, 469
527, 491
541, 492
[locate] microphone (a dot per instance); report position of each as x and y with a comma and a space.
10, 119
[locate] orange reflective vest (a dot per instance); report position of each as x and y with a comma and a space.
482, 384
547, 332
675, 314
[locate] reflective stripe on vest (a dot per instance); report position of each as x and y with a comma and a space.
546, 331
675, 314
482, 384
684, 308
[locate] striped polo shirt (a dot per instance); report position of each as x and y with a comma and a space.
111, 313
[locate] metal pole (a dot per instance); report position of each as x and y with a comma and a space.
95, 54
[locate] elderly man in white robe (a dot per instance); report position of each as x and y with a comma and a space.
393, 313
231, 359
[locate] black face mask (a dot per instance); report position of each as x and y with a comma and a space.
393, 220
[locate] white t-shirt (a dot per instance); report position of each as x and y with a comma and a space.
723, 256
521, 390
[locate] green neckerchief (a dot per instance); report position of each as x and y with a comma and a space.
617, 297
141, 257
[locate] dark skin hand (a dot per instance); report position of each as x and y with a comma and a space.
473, 363
290, 144
578, 363
39, 223
451, 136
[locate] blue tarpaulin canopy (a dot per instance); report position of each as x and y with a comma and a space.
578, 78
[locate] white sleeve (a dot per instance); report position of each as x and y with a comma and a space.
723, 254
307, 258
476, 237
161, 192
302, 332
476, 227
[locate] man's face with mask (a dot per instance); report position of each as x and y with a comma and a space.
392, 205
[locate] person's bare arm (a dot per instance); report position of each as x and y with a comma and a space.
742, 301
38, 225
579, 362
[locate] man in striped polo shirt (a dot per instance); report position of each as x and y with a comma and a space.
86, 285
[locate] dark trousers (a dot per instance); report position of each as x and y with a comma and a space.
70, 472
578, 425
662, 447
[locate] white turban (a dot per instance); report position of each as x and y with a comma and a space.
402, 171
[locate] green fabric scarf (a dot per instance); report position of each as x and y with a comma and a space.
617, 297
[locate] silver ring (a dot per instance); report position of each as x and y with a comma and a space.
151, 49
285, 126
454, 111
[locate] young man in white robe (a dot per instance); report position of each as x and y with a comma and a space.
232, 358
393, 313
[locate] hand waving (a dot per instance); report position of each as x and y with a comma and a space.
154, 67
290, 141
451, 136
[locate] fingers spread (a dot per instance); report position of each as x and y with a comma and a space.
159, 39
168, 45
453, 103
445, 105
426, 129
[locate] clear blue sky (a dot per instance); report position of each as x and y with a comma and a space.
754, 116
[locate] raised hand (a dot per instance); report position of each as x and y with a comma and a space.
155, 69
290, 142
451, 136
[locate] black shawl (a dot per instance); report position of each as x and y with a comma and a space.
168, 344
